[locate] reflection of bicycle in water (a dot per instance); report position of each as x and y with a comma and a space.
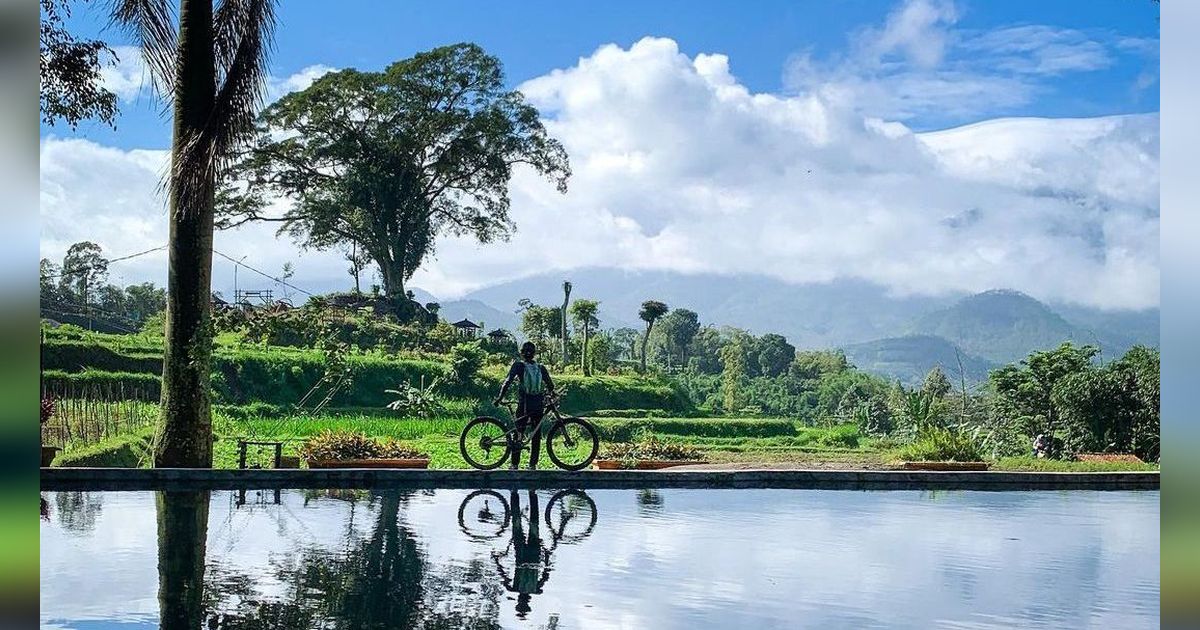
485, 515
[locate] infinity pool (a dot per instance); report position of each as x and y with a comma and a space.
601, 559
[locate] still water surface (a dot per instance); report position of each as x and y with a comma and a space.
605, 559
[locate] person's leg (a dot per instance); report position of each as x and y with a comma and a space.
535, 444
514, 445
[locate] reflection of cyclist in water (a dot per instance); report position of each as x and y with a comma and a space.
570, 517
535, 383
533, 563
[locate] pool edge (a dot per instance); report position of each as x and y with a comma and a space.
171, 478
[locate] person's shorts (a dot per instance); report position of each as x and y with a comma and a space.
532, 406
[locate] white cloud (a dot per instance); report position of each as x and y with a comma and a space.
679, 166
127, 77
113, 197
279, 86
918, 65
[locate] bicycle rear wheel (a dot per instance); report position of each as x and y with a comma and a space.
483, 515
572, 444
484, 443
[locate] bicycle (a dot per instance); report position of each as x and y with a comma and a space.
571, 443
570, 516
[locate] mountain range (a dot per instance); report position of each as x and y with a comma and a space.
892, 335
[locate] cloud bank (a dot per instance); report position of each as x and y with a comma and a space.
679, 166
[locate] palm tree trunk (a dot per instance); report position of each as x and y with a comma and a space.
587, 364
645, 340
185, 434
182, 538
566, 303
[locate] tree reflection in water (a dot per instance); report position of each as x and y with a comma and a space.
380, 577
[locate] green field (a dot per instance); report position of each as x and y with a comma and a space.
106, 387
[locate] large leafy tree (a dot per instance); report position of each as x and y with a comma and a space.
212, 67
650, 312
389, 160
583, 312
540, 324
775, 354
678, 328
1024, 392
83, 272
69, 67
1113, 408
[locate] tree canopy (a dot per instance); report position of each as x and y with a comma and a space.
69, 67
389, 160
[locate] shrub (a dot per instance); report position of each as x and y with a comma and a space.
934, 443
625, 430
416, 402
466, 359
841, 436
650, 447
341, 445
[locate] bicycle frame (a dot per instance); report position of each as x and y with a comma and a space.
522, 438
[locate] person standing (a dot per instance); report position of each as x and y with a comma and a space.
534, 385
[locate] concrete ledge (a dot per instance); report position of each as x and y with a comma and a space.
179, 478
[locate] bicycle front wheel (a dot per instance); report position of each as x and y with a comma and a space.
484, 443
572, 444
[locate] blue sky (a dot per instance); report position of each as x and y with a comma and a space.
534, 37
928, 146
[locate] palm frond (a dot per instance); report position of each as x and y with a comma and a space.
242, 37
151, 23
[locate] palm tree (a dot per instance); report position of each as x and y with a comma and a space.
650, 312
584, 314
213, 69
566, 300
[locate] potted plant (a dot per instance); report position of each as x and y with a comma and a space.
347, 449
646, 453
48, 409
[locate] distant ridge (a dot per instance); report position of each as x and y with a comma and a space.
895, 336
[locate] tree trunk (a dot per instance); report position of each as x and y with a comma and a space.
182, 538
586, 361
566, 303
185, 434
645, 340
356, 267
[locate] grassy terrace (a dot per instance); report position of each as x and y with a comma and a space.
734, 441
106, 387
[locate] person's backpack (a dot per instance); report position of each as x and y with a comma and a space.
531, 381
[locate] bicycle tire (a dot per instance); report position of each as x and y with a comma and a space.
503, 520
560, 496
466, 455
559, 433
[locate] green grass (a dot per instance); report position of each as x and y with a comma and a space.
1034, 464
131, 450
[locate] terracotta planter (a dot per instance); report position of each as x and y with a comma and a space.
945, 465
643, 464
368, 463
48, 455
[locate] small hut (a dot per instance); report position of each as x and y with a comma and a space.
499, 335
467, 328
